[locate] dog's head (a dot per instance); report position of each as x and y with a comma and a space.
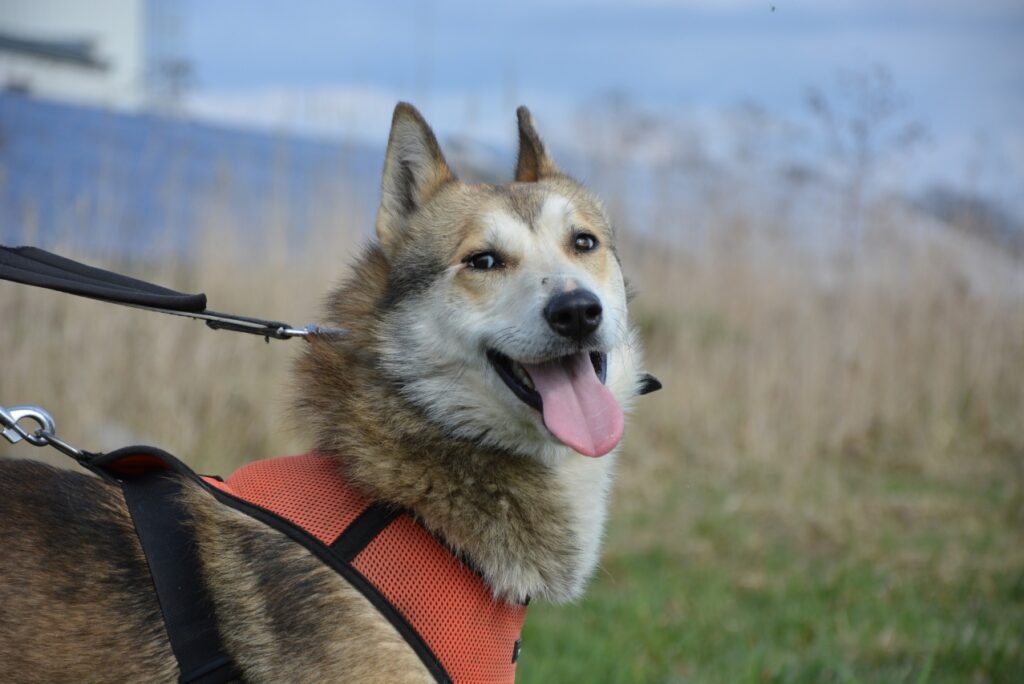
505, 314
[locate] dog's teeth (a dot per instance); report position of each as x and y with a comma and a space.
522, 376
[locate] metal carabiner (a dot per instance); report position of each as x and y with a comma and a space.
14, 433
44, 435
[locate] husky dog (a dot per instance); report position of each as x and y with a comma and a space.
481, 385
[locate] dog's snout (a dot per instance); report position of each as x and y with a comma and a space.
574, 314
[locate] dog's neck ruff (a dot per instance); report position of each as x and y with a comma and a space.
440, 606
448, 605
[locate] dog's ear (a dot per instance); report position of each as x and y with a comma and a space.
533, 162
414, 169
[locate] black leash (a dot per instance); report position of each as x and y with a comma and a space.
39, 268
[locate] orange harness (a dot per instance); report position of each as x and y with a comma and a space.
474, 637
441, 606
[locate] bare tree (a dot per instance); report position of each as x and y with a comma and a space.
864, 123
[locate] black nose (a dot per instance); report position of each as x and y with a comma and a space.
574, 314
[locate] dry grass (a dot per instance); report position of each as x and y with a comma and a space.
909, 357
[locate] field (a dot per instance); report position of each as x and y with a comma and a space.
829, 489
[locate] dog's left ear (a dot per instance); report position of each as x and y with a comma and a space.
533, 162
414, 170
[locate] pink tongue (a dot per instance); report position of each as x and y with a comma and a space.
578, 409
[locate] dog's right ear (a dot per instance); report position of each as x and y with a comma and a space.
414, 169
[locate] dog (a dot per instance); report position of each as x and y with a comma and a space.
481, 384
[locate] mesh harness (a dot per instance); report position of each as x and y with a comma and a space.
441, 607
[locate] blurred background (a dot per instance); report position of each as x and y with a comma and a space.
820, 206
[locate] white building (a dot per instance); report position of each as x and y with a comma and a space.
83, 51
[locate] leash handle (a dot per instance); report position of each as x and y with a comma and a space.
39, 268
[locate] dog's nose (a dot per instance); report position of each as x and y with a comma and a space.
574, 314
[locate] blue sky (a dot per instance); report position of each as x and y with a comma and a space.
337, 68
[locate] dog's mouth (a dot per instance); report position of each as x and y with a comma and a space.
570, 393
514, 374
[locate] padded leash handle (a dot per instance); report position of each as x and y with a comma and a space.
39, 268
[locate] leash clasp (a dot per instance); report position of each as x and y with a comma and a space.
286, 332
44, 435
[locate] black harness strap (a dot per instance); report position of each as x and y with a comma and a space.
170, 549
363, 530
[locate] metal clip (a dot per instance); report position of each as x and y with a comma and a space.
14, 433
44, 435
285, 332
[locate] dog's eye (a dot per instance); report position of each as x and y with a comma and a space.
483, 261
584, 242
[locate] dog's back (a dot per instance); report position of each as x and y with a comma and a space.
76, 588
77, 602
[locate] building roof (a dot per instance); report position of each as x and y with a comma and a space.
73, 51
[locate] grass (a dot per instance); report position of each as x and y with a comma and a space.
829, 489
932, 590
820, 622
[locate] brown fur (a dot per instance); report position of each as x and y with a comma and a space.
76, 600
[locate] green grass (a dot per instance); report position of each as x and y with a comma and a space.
919, 581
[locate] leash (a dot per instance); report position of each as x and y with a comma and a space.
39, 268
